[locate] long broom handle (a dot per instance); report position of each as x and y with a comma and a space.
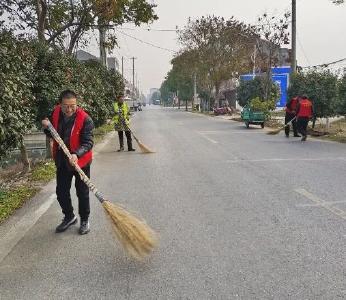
290, 122
82, 175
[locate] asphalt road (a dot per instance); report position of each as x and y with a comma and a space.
240, 215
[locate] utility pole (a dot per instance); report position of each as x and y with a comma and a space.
294, 36
133, 81
194, 91
254, 61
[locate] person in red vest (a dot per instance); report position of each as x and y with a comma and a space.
304, 113
75, 127
290, 115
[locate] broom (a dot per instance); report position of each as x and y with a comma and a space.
143, 147
277, 131
135, 235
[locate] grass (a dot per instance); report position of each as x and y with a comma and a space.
19, 190
15, 194
43, 172
336, 131
101, 131
11, 199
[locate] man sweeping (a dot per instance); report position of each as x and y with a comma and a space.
290, 115
75, 127
304, 113
121, 121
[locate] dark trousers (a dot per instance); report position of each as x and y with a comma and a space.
288, 118
302, 125
128, 139
63, 185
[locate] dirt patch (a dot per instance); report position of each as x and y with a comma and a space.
335, 132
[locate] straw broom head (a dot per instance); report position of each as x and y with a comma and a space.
135, 235
144, 148
274, 132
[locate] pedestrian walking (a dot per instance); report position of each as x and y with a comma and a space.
291, 108
75, 127
121, 121
304, 113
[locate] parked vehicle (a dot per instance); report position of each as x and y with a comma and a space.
250, 116
222, 111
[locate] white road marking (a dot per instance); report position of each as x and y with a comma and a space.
207, 138
319, 204
17, 232
336, 211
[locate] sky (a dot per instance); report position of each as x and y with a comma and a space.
321, 34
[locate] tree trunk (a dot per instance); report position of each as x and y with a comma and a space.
217, 90
74, 39
24, 157
103, 54
48, 148
313, 122
41, 10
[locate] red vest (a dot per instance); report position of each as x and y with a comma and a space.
75, 134
292, 105
305, 109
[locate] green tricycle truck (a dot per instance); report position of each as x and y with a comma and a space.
249, 116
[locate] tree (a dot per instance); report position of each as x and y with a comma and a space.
272, 32
341, 100
222, 47
320, 87
58, 21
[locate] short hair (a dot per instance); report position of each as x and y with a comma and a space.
67, 94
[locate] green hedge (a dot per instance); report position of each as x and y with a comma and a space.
16, 101
320, 87
31, 79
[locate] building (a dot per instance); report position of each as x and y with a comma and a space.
112, 62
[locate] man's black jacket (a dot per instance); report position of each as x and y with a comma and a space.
64, 129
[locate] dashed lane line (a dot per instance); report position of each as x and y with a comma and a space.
326, 205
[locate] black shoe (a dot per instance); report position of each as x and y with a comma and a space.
121, 149
297, 135
66, 223
304, 138
132, 149
84, 227
287, 135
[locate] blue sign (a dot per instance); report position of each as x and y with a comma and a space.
280, 76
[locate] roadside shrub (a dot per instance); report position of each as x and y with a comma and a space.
16, 101
320, 87
255, 88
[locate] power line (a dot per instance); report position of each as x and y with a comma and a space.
301, 47
151, 29
144, 42
326, 64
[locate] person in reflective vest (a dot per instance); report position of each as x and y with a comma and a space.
121, 121
75, 127
290, 115
304, 113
